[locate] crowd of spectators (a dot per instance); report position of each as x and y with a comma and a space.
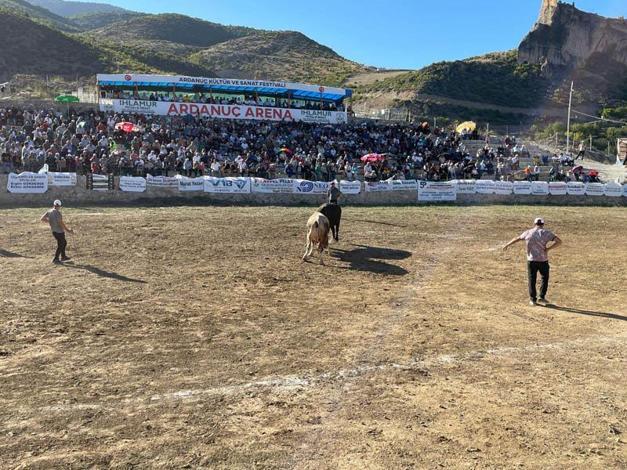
88, 142
207, 98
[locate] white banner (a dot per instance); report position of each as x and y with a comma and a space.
310, 187
539, 188
377, 186
503, 187
162, 181
484, 187
171, 80
613, 190
61, 179
350, 187
277, 186
404, 185
575, 188
465, 186
27, 183
191, 184
522, 187
557, 188
223, 111
433, 191
595, 189
132, 184
227, 185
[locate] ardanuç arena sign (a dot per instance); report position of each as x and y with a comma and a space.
223, 111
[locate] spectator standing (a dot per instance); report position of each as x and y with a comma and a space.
536, 240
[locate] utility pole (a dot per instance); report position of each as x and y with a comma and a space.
591, 142
570, 105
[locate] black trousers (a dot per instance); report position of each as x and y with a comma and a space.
533, 267
61, 244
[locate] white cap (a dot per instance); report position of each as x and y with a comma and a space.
57, 203
539, 221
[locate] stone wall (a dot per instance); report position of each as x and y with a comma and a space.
79, 196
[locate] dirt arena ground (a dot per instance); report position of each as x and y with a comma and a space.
195, 338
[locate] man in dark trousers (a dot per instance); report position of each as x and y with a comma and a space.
536, 240
333, 193
58, 227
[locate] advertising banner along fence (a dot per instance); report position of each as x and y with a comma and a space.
277, 186
558, 188
227, 185
310, 187
162, 181
595, 189
614, 189
191, 184
573, 188
465, 186
350, 187
61, 179
434, 191
132, 184
27, 183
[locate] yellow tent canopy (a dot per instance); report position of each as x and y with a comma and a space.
468, 125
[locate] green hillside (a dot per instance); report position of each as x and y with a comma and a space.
277, 55
42, 50
35, 13
173, 28
493, 78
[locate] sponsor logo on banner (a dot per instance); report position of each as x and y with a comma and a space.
595, 189
377, 186
277, 186
522, 187
574, 188
436, 191
557, 188
404, 185
162, 181
310, 187
61, 179
27, 183
484, 187
222, 111
132, 184
465, 186
227, 185
191, 184
503, 187
350, 187
539, 188
613, 190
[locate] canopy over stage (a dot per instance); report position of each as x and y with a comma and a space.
225, 85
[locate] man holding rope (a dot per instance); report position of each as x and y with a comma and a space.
58, 227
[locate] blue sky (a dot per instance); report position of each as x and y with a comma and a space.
385, 33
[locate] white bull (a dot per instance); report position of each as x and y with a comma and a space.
318, 227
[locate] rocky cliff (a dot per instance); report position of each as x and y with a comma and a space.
565, 38
570, 44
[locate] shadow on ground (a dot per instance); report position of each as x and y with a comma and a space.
376, 222
371, 259
590, 313
9, 254
102, 273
